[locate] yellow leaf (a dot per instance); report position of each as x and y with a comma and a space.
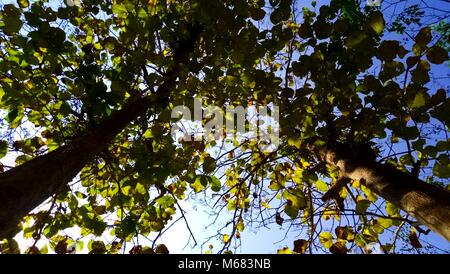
356, 184
225, 238
264, 204
343, 193
326, 239
148, 134
295, 142
370, 195
305, 164
141, 189
240, 225
298, 176
285, 250
384, 222
23, 3
322, 186
392, 210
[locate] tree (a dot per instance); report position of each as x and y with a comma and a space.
97, 83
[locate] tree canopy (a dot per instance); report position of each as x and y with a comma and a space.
87, 90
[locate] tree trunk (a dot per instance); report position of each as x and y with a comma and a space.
429, 204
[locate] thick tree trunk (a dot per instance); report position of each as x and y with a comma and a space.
28, 185
429, 204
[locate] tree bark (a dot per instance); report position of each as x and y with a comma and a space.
427, 203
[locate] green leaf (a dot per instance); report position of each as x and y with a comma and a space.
127, 227
12, 115
258, 14
384, 222
275, 185
424, 36
79, 246
392, 210
355, 39
3, 148
388, 49
119, 9
441, 167
362, 206
441, 112
126, 190
98, 227
291, 211
165, 201
96, 247
200, 183
370, 195
295, 198
443, 145
209, 164
231, 80
360, 241
437, 98
437, 55
109, 44
216, 185
387, 248
65, 109
376, 22
162, 249
295, 142
419, 100
11, 19
274, 3
148, 134
420, 74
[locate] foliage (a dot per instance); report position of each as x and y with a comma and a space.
411, 15
65, 68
